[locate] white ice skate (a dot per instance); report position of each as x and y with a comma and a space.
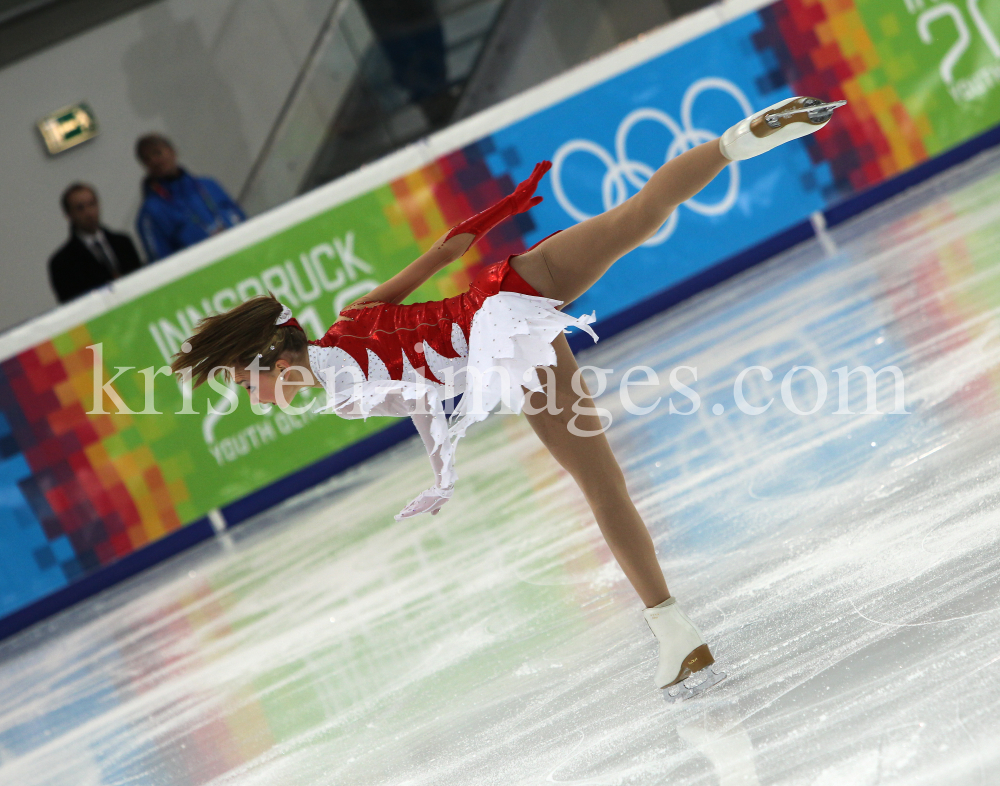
683, 653
779, 123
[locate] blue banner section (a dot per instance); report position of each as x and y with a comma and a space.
22, 541
87, 499
606, 142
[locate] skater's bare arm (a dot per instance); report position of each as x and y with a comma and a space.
406, 281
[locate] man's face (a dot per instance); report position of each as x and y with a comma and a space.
160, 160
83, 210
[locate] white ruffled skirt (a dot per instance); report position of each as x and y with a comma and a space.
511, 335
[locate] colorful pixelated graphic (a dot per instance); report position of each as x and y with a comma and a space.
911, 94
80, 491
447, 192
823, 49
89, 489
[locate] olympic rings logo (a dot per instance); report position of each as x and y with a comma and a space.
624, 171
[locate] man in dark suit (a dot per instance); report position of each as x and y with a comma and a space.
93, 255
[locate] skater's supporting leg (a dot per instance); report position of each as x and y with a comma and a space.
592, 464
563, 268
567, 264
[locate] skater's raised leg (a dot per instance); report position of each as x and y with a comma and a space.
567, 264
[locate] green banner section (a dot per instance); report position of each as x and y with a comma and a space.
943, 59
316, 267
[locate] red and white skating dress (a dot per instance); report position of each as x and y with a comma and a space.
406, 360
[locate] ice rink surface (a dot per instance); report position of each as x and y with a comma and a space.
844, 568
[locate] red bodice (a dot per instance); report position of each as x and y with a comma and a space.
390, 330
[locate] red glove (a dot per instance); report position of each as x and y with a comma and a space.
518, 202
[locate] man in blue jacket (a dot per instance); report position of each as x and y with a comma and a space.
178, 209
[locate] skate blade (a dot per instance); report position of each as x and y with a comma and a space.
813, 109
686, 690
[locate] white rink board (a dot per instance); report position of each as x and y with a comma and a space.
844, 569
384, 170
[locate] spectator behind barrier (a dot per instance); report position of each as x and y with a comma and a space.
178, 209
93, 255
412, 38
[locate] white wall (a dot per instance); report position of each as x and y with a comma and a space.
385, 170
554, 36
568, 32
210, 74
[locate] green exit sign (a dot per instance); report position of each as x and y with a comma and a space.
68, 127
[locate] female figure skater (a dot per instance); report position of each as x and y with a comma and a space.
383, 358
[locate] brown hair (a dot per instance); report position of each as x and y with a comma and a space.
144, 143
232, 340
72, 189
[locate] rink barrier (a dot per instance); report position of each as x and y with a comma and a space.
324, 469
876, 195
94, 583
321, 471
607, 327
694, 77
793, 236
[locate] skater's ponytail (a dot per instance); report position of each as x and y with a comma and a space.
232, 340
